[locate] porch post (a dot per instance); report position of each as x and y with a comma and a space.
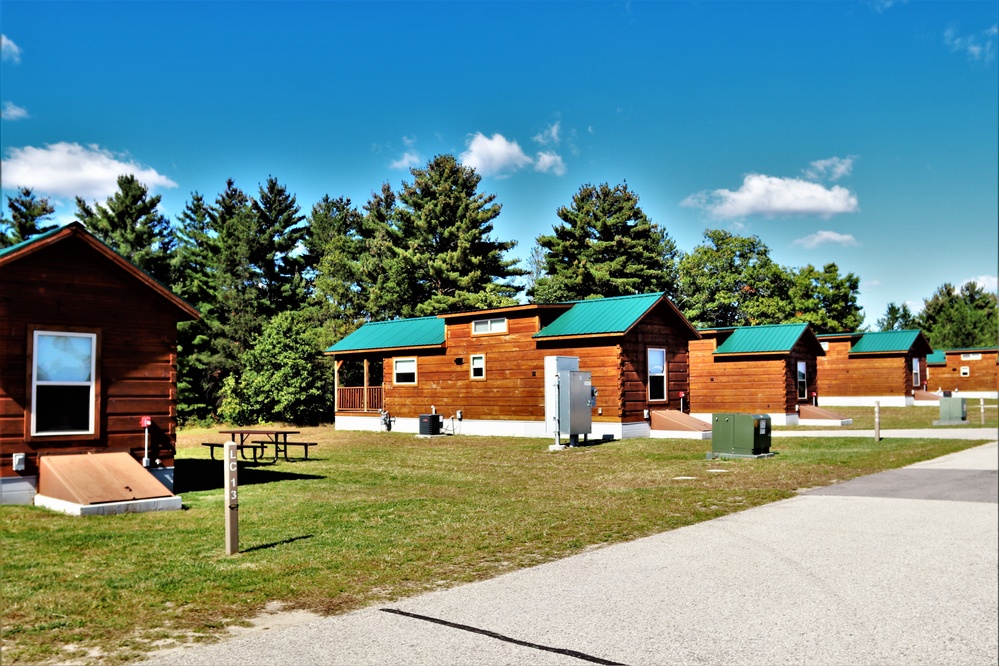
336, 385
365, 384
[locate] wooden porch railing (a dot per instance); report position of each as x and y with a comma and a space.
359, 399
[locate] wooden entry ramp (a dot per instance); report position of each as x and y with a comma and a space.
670, 423
811, 415
100, 483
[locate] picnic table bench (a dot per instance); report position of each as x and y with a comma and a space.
282, 447
256, 449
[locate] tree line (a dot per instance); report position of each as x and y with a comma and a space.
275, 286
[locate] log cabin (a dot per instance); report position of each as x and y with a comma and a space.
864, 368
89, 347
973, 372
754, 369
484, 371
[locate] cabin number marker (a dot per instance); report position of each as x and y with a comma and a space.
232, 500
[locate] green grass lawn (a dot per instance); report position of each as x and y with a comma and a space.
375, 517
909, 417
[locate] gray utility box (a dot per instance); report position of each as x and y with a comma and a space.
431, 424
740, 434
575, 404
953, 410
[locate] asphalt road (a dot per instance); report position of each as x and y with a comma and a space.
900, 567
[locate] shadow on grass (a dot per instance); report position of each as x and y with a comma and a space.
195, 475
276, 543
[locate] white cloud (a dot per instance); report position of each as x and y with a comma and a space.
881, 6
408, 160
494, 156
550, 136
989, 283
548, 162
825, 238
69, 169
9, 50
11, 111
977, 50
771, 197
833, 168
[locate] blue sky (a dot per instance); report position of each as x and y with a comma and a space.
862, 133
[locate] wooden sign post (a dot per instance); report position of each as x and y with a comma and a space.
877, 420
231, 490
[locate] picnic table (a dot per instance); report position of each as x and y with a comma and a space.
262, 438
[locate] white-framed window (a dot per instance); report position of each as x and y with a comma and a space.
487, 326
971, 357
824, 345
965, 371
657, 374
802, 380
404, 371
63, 383
915, 373
477, 369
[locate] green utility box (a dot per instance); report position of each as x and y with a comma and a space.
740, 435
953, 411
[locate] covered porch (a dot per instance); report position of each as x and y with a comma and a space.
361, 394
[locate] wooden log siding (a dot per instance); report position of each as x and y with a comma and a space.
840, 374
983, 373
735, 384
756, 384
70, 285
660, 332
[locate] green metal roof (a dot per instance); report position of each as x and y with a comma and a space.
600, 316
938, 357
767, 339
886, 341
398, 333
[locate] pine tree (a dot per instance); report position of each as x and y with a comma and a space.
334, 246
27, 212
279, 231
384, 276
193, 270
897, 318
445, 227
605, 246
958, 319
131, 225
237, 283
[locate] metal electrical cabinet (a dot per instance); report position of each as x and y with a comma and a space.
740, 434
575, 415
953, 410
555, 367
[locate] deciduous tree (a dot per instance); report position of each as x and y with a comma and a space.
824, 299
731, 280
283, 377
